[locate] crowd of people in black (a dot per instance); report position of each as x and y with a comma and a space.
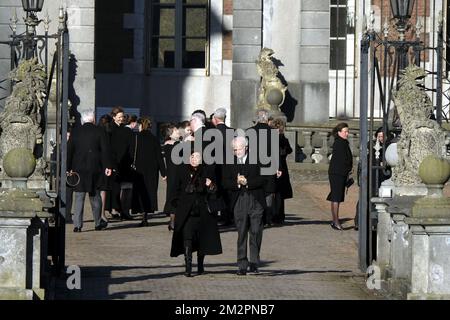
119, 162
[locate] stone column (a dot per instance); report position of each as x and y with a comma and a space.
430, 236
314, 55
247, 40
307, 149
384, 236
398, 274
22, 255
23, 241
324, 150
81, 25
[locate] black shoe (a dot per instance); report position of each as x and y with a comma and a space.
253, 268
102, 225
76, 229
144, 223
336, 227
355, 228
241, 272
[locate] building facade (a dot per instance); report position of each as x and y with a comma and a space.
166, 58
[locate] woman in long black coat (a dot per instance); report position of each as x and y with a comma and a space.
171, 139
147, 157
121, 139
283, 182
338, 172
195, 228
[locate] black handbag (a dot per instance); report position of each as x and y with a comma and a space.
350, 181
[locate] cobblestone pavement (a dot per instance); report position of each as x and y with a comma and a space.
303, 259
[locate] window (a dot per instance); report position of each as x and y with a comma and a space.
341, 24
179, 34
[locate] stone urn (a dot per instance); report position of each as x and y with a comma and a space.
434, 172
19, 164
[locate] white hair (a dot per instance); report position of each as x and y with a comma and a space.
198, 116
220, 113
240, 141
87, 116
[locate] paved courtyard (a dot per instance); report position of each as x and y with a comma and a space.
303, 259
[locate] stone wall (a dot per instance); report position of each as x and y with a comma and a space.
81, 32
247, 41
314, 62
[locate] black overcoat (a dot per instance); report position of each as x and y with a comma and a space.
341, 162
171, 170
88, 154
255, 181
149, 163
263, 139
121, 140
283, 183
209, 238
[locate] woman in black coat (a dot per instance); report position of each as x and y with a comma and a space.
340, 167
121, 139
171, 138
148, 161
105, 183
195, 228
282, 183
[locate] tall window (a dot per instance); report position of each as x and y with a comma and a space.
179, 33
340, 26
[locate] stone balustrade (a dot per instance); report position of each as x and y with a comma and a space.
314, 143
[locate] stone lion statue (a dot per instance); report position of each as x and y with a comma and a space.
420, 135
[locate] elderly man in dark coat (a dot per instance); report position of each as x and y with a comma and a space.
195, 227
88, 155
247, 200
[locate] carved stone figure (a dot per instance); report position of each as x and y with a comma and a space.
20, 120
420, 135
271, 90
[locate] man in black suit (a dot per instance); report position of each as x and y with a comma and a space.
247, 200
262, 130
218, 120
88, 154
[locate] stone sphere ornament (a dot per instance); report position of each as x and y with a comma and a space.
274, 96
19, 163
434, 170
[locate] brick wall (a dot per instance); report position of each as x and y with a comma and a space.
227, 45
227, 40
421, 9
227, 6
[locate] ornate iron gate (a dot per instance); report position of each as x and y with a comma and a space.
31, 45
382, 60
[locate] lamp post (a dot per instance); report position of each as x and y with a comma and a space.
402, 10
31, 7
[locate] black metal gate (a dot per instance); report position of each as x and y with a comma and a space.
30, 45
382, 60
